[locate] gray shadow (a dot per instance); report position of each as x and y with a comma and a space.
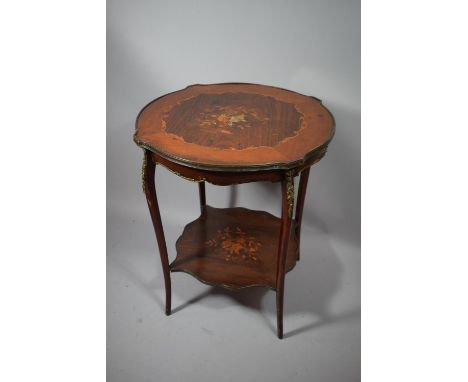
250, 297
309, 288
336, 180
353, 314
150, 288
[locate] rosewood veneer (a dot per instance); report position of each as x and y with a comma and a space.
228, 134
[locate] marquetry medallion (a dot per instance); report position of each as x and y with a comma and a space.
233, 120
234, 245
235, 126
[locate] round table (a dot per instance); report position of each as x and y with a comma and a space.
228, 134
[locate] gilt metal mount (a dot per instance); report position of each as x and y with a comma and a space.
290, 191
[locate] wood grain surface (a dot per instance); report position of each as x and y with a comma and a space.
235, 126
233, 247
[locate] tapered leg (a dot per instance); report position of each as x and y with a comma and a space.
287, 187
300, 207
201, 191
148, 171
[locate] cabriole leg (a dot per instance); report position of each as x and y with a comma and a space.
300, 207
287, 188
148, 172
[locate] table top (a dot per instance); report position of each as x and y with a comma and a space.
235, 126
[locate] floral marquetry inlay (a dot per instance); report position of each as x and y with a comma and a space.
235, 245
233, 120
235, 126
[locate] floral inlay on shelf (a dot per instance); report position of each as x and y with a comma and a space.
236, 246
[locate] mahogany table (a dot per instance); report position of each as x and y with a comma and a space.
228, 134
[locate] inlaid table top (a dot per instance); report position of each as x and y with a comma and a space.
235, 126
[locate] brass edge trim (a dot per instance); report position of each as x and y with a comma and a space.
201, 180
290, 191
265, 166
253, 84
236, 167
226, 286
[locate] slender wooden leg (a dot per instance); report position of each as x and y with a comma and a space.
287, 187
300, 207
149, 168
201, 191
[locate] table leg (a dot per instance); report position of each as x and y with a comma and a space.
300, 207
201, 191
287, 188
148, 172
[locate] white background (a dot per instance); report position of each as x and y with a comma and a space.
414, 191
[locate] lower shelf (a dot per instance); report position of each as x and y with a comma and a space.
233, 248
